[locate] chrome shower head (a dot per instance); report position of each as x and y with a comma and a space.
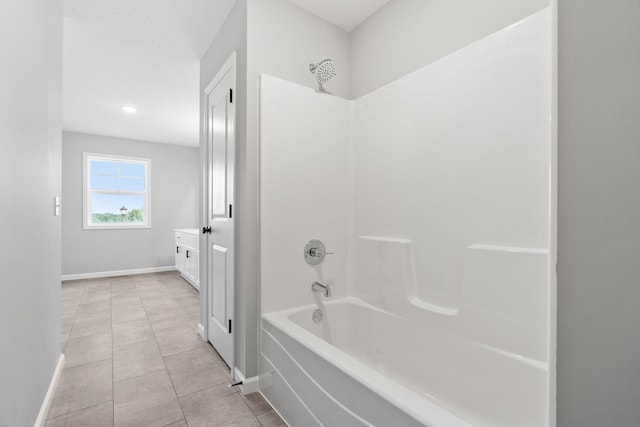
324, 71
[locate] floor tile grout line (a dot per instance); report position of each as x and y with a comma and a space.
165, 364
249, 408
113, 388
133, 342
170, 424
206, 389
75, 316
84, 288
87, 363
78, 410
135, 288
191, 349
164, 328
69, 339
142, 375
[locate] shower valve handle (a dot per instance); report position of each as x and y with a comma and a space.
314, 252
318, 252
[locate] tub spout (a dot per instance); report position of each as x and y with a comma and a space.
319, 287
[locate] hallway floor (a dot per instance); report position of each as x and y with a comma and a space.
134, 358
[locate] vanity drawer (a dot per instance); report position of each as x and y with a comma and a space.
190, 240
187, 239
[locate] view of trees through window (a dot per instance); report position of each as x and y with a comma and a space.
135, 215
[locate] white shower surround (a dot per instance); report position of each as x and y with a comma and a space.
434, 192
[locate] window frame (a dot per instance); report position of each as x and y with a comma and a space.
87, 224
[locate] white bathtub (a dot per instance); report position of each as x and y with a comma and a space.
363, 366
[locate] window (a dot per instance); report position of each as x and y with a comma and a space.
116, 192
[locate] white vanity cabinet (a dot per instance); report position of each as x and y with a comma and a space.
187, 255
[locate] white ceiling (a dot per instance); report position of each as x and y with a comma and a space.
146, 53
140, 52
346, 14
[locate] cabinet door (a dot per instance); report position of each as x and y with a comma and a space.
178, 251
182, 259
188, 263
196, 269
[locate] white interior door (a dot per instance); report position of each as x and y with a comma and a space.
220, 195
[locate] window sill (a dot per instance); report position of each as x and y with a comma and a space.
115, 227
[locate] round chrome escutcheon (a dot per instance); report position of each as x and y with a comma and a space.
314, 252
317, 315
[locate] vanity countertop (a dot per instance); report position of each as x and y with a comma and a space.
188, 230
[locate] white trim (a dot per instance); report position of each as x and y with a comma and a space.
116, 227
116, 273
48, 398
553, 227
201, 332
229, 64
262, 376
249, 385
86, 200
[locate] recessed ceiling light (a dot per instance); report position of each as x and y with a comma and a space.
128, 109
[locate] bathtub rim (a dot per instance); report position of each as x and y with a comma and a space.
424, 408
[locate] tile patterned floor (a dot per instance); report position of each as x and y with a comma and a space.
134, 358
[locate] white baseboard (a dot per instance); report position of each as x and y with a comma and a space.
249, 385
201, 331
117, 273
46, 404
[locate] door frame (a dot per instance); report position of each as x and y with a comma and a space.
203, 327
